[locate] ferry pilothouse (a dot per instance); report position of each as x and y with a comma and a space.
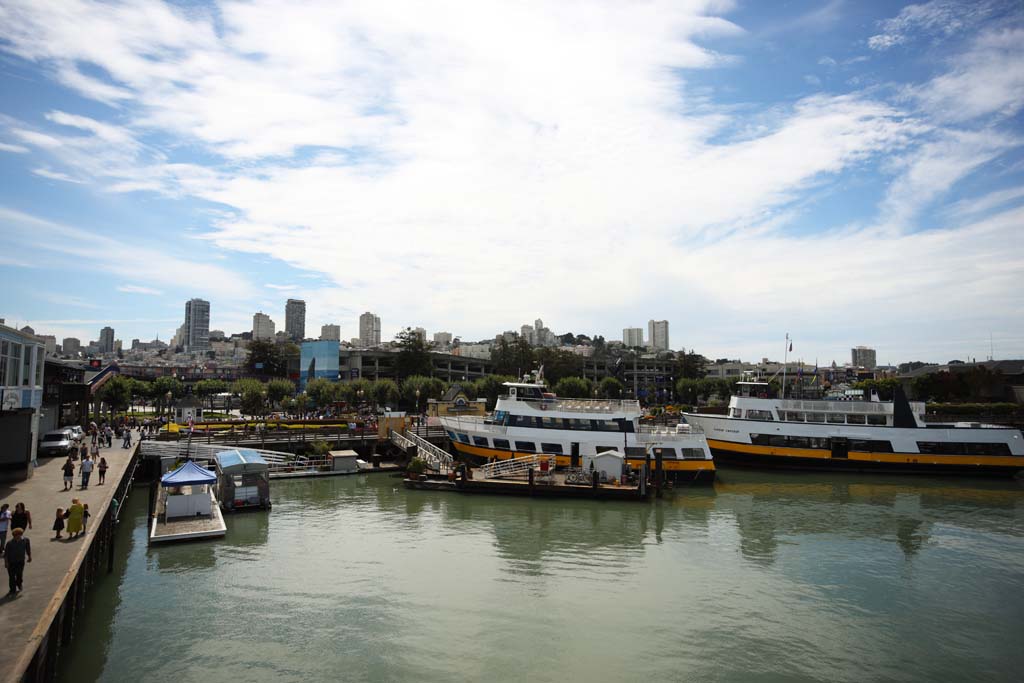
528, 420
857, 434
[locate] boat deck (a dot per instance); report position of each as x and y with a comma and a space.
554, 485
187, 528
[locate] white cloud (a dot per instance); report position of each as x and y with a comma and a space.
56, 175
460, 165
139, 289
13, 149
934, 19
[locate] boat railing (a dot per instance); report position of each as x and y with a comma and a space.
670, 430
580, 405
473, 423
436, 458
517, 467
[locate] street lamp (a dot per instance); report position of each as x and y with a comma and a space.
417, 401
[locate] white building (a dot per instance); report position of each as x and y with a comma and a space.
442, 338
71, 346
262, 326
657, 335
330, 333
633, 336
473, 351
369, 330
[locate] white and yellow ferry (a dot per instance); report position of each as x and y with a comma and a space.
529, 420
859, 435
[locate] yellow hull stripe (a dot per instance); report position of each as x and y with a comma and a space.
565, 460
900, 458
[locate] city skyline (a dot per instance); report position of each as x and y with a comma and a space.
850, 173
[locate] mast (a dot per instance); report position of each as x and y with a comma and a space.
785, 359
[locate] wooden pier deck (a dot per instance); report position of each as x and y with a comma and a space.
36, 621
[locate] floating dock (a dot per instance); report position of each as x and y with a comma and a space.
552, 485
187, 528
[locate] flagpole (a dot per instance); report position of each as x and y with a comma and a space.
785, 359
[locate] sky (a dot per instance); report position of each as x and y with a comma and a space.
850, 173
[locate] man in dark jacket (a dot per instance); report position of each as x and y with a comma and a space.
17, 552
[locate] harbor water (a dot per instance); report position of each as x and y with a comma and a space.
765, 576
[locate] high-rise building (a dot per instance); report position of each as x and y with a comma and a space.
369, 330
262, 326
197, 325
295, 319
421, 333
442, 338
529, 333
657, 335
106, 344
633, 336
71, 346
330, 333
863, 357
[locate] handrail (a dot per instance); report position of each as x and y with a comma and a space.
516, 466
436, 458
400, 440
581, 405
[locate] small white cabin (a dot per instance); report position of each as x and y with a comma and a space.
608, 463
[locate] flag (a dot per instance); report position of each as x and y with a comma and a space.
791, 347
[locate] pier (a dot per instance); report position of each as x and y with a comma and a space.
40, 621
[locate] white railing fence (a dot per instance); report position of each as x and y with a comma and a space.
516, 467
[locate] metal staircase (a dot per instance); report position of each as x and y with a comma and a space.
517, 467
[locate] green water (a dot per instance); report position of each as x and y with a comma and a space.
764, 577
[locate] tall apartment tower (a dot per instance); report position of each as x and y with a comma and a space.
864, 357
633, 336
330, 333
295, 319
369, 330
71, 346
107, 340
657, 334
197, 325
262, 326
442, 338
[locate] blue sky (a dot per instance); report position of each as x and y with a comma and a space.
848, 172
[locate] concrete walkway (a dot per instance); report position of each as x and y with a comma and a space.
25, 618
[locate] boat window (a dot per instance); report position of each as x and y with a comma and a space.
667, 453
527, 446
501, 417
735, 412
871, 445
878, 420
464, 438
795, 417
636, 452
836, 418
759, 415
962, 448
551, 448
602, 449
480, 441
855, 419
502, 444
581, 425
815, 417
551, 423
692, 453
798, 442
451, 436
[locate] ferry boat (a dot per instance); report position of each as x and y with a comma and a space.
528, 420
854, 434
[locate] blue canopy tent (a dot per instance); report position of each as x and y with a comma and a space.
189, 474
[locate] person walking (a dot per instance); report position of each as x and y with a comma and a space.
58, 523
84, 451
127, 443
75, 514
85, 518
21, 518
110, 436
5, 523
69, 473
102, 469
86, 472
19, 551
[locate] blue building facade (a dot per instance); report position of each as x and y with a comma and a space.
318, 359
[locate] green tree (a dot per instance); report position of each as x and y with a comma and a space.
385, 392
208, 388
691, 365
253, 399
413, 356
609, 387
277, 389
322, 392
687, 390
164, 386
349, 391
574, 387
266, 359
557, 363
116, 392
428, 387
